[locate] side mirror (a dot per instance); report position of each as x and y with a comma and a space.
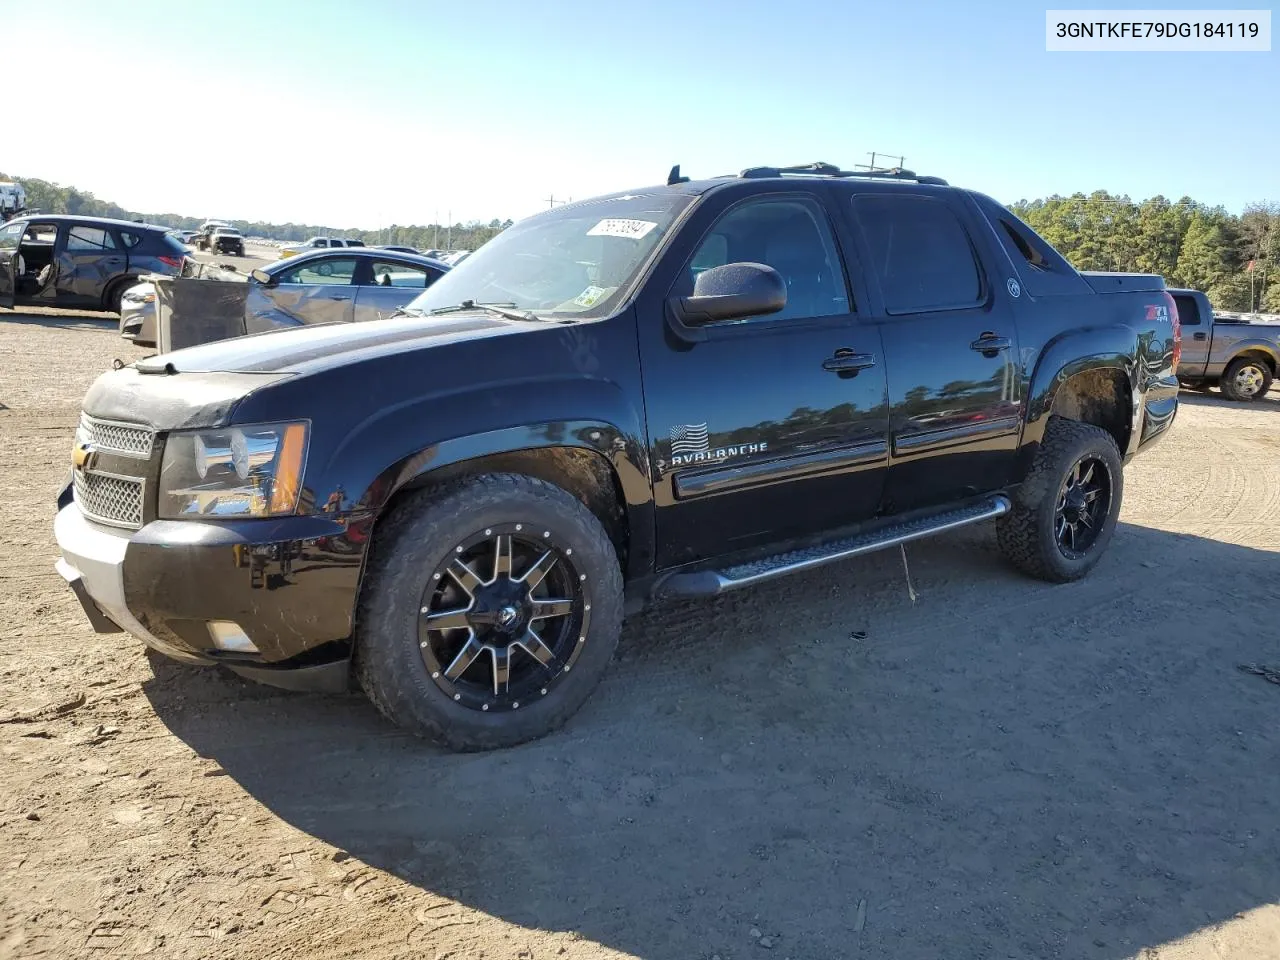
732, 292
264, 278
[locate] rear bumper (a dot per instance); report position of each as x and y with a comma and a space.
1159, 410
278, 596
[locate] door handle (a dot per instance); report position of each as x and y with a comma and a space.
1200, 336
989, 344
339, 298
846, 361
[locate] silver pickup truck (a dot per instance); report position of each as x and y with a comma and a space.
1239, 353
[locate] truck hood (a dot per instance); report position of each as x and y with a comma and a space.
312, 348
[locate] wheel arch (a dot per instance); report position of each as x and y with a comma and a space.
592, 459
1087, 376
1260, 350
116, 285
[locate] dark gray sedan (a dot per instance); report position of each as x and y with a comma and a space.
325, 286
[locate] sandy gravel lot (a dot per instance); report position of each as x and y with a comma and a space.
1000, 768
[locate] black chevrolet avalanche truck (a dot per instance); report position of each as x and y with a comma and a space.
672, 391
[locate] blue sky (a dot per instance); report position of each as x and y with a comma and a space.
364, 114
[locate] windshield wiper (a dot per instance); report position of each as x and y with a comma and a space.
501, 309
405, 312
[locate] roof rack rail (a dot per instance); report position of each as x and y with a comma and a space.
821, 169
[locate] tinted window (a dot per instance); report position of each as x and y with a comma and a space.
792, 236
355, 243
921, 253
86, 239
387, 273
330, 270
1188, 311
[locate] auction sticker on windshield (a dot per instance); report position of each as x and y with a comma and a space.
590, 296
634, 229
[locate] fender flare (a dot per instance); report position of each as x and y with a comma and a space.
1254, 346
1106, 348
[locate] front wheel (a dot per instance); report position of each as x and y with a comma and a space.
1246, 378
491, 610
1065, 511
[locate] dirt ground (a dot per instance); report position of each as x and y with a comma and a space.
818, 768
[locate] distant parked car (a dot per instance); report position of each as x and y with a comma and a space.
227, 240
416, 253
1239, 352
455, 258
328, 286
86, 263
319, 243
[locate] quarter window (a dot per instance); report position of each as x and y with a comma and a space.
792, 236
89, 239
921, 253
332, 271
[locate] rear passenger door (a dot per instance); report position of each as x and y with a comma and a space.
89, 258
951, 349
386, 285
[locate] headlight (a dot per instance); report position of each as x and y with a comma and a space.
249, 471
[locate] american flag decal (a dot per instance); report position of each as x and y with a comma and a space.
689, 438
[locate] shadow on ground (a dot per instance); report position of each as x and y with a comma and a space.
1000, 768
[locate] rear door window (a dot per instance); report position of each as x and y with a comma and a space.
1188, 311
921, 253
387, 273
85, 239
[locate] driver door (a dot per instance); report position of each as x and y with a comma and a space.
317, 290
10, 239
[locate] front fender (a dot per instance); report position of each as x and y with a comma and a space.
402, 444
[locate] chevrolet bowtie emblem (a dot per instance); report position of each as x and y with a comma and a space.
83, 456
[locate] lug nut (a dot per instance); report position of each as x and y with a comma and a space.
484, 706
436, 675
488, 533
544, 691
457, 696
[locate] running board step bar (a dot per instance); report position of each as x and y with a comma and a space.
707, 583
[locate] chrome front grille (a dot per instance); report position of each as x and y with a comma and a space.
109, 499
131, 440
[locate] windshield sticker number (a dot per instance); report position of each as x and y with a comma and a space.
590, 296
631, 229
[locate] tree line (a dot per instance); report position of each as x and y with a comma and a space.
1234, 259
55, 198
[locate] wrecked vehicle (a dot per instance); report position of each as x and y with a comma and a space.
678, 390
85, 263
320, 287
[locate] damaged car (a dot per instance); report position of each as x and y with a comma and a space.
83, 263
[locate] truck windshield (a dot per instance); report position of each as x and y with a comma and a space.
578, 260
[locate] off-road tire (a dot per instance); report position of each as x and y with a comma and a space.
1228, 382
410, 542
1026, 534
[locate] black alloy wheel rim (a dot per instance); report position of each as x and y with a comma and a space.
503, 617
1084, 502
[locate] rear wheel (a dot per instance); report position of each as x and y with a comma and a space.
491, 611
115, 296
1065, 511
1246, 378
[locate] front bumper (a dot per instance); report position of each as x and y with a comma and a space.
289, 585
